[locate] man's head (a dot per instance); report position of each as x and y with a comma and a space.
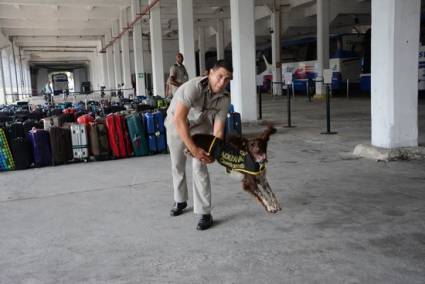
219, 76
179, 58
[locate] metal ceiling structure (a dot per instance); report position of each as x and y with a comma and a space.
42, 27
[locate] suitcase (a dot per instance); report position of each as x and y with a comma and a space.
6, 158
61, 145
16, 130
21, 152
137, 134
99, 144
40, 143
233, 124
85, 119
154, 124
118, 136
29, 124
19, 145
79, 140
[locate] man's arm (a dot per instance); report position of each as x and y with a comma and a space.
173, 81
219, 128
179, 120
173, 77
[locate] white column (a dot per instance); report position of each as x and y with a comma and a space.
156, 48
395, 47
139, 68
276, 49
3, 85
201, 47
186, 37
126, 73
243, 87
117, 54
322, 41
219, 37
110, 62
104, 66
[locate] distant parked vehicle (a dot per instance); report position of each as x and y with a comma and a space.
60, 83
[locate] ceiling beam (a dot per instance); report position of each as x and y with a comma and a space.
58, 24
54, 32
76, 13
84, 3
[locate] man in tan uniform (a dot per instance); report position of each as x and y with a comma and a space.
199, 106
178, 75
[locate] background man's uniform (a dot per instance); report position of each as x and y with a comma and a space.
204, 109
178, 71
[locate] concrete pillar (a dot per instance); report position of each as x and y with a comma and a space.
323, 9
3, 84
139, 68
244, 96
186, 37
117, 54
104, 67
276, 48
219, 36
394, 66
42, 79
156, 52
110, 62
126, 73
201, 48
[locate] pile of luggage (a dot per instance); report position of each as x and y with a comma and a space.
49, 136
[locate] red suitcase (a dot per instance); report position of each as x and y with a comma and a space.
85, 119
118, 136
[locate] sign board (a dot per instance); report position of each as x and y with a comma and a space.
140, 75
327, 76
287, 76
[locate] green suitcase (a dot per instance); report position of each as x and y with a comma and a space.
137, 134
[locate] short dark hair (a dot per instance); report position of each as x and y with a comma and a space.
223, 64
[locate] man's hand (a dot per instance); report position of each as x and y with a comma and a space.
202, 155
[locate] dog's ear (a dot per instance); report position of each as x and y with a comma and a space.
237, 141
269, 131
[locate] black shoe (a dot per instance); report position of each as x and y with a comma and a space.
205, 222
178, 208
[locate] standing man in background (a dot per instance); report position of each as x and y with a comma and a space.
178, 75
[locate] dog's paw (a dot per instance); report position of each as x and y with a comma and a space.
274, 209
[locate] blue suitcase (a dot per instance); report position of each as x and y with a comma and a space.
154, 124
233, 124
40, 142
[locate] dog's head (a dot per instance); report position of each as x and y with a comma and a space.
255, 146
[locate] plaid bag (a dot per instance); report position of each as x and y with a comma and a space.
6, 158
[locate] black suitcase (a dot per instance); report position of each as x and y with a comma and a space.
16, 130
29, 124
60, 143
21, 152
20, 146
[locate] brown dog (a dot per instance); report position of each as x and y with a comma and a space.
246, 156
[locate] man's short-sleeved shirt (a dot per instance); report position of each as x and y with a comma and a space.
204, 107
179, 72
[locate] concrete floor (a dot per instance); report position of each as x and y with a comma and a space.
344, 219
